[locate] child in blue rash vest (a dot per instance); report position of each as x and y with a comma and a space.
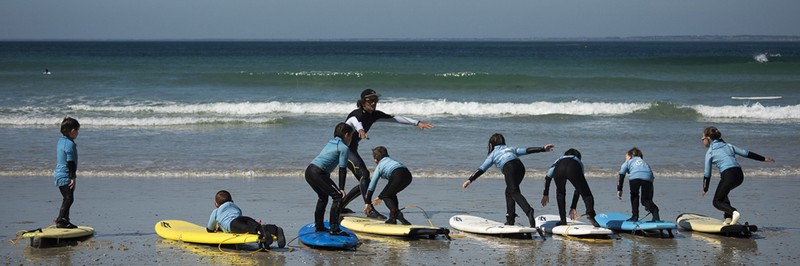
506, 159
569, 167
66, 166
641, 177
361, 120
399, 178
723, 156
228, 217
318, 176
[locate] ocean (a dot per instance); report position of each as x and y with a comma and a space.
266, 109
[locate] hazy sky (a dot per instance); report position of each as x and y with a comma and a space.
345, 19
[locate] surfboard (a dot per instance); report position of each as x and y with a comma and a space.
310, 237
60, 233
480, 225
192, 233
619, 221
548, 222
379, 227
705, 224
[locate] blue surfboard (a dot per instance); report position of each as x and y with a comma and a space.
619, 221
309, 236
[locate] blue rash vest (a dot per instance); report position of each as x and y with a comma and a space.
723, 156
500, 155
66, 150
223, 216
553, 167
637, 168
384, 169
332, 155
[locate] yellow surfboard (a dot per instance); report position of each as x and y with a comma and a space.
379, 227
60, 233
189, 232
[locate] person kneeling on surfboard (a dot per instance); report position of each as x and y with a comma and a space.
399, 178
569, 167
318, 175
723, 155
228, 217
506, 159
641, 176
66, 167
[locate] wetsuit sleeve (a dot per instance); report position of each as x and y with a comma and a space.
575, 197
486, 164
739, 151
73, 168
374, 181
342, 177
475, 175
622, 171
353, 121
755, 156
343, 152
401, 120
621, 182
547, 180
706, 181
530, 150
212, 221
707, 163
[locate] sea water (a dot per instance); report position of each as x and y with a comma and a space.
251, 109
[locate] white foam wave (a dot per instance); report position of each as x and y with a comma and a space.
134, 121
754, 111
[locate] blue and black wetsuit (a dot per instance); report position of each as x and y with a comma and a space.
641, 177
66, 168
723, 155
570, 168
360, 119
399, 178
318, 175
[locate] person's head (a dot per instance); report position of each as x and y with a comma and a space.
222, 197
343, 131
710, 134
70, 127
573, 152
495, 140
634, 152
378, 153
368, 101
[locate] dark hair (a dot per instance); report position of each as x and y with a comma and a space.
378, 153
222, 197
635, 152
573, 152
495, 140
712, 133
68, 124
342, 129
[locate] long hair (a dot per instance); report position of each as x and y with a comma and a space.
342, 129
712, 133
495, 140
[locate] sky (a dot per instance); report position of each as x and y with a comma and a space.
390, 19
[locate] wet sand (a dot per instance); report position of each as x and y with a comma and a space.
123, 212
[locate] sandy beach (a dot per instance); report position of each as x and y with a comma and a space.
123, 212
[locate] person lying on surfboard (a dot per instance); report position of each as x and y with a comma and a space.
506, 159
318, 176
66, 167
723, 155
228, 218
399, 178
569, 167
640, 178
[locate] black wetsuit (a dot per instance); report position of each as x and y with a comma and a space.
570, 168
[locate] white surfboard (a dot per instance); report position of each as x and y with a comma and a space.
548, 222
480, 225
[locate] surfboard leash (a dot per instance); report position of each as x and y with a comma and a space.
423, 213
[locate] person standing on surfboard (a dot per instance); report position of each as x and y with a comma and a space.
723, 155
66, 167
399, 178
361, 120
569, 167
507, 160
641, 177
228, 217
318, 176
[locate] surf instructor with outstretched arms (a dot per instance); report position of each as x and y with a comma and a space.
361, 120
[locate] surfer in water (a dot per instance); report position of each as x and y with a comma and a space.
361, 120
641, 177
723, 155
507, 160
228, 217
318, 176
399, 178
66, 167
569, 167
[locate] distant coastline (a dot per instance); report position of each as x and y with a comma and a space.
673, 38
